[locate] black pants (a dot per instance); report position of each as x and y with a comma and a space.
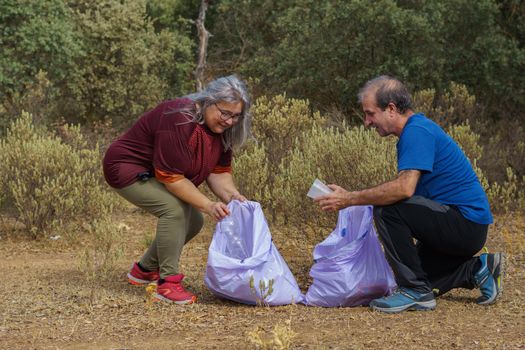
443, 256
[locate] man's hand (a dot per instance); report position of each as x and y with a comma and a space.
336, 200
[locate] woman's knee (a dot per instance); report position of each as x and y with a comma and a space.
196, 222
174, 210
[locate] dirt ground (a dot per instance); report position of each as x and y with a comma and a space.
47, 303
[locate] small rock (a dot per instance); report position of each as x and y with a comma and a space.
123, 226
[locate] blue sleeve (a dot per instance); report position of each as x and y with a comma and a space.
416, 149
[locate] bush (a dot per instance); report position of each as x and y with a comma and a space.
455, 106
457, 111
127, 67
294, 147
278, 124
252, 174
103, 59
508, 196
98, 259
468, 140
36, 99
52, 185
325, 50
353, 158
36, 35
505, 148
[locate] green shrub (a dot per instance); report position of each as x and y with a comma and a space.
36, 99
504, 196
36, 35
103, 59
508, 196
102, 250
492, 145
251, 171
353, 158
505, 148
467, 139
325, 50
455, 106
52, 185
127, 67
294, 147
278, 124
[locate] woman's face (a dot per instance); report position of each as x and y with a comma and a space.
221, 116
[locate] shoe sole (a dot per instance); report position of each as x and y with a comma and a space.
499, 271
137, 281
416, 306
159, 297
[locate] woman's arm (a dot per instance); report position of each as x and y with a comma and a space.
223, 187
185, 190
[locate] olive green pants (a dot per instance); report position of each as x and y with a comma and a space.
178, 223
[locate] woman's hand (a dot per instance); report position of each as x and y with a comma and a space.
238, 196
217, 210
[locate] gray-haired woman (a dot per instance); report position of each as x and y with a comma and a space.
162, 159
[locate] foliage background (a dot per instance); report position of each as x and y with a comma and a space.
94, 67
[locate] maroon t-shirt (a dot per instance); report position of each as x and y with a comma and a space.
167, 144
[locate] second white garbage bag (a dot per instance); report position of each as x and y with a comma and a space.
243, 263
350, 268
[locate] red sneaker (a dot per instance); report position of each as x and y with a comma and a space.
172, 291
138, 277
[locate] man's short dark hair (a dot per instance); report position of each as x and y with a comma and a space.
387, 90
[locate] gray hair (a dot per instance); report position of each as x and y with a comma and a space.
230, 89
387, 90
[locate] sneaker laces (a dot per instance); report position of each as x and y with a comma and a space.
402, 291
399, 290
405, 293
179, 287
176, 285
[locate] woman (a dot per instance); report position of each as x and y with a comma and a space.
159, 163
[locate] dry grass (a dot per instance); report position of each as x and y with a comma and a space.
47, 304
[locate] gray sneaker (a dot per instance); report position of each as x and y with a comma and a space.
489, 277
404, 299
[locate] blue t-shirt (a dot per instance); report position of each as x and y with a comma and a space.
446, 174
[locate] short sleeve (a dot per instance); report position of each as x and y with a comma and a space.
416, 149
224, 164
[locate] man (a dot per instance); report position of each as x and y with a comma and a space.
436, 200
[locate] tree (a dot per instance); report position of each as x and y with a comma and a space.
128, 67
203, 45
324, 50
36, 35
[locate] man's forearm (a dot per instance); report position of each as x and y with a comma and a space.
384, 194
390, 192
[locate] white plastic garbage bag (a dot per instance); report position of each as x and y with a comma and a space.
350, 268
262, 277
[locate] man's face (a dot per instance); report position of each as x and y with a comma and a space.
375, 117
